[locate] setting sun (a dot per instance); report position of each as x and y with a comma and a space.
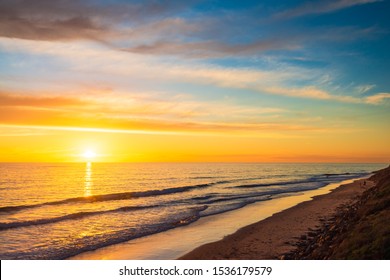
89, 154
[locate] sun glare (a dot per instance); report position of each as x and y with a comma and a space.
89, 154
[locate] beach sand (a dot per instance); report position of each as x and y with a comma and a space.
277, 235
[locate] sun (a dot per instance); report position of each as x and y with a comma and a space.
89, 154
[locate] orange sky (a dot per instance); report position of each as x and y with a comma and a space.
53, 144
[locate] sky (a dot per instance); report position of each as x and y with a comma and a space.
195, 81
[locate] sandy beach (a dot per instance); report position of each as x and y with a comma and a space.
277, 235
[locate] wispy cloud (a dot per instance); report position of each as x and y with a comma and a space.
313, 92
74, 20
178, 115
143, 126
306, 92
361, 89
377, 98
7, 100
193, 44
68, 20
213, 49
320, 7
109, 63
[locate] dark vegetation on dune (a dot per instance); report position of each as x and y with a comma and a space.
358, 231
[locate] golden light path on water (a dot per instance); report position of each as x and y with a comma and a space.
88, 179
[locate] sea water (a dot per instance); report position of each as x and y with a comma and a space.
55, 211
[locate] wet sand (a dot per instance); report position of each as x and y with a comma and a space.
275, 236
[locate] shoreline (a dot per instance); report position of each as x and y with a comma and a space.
206, 230
279, 234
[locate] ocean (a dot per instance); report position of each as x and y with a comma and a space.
59, 210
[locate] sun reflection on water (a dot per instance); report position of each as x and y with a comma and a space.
88, 180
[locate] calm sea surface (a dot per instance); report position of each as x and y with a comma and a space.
54, 211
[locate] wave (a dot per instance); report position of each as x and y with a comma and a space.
325, 178
89, 243
73, 216
107, 197
79, 215
202, 177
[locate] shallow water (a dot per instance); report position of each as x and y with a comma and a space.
54, 211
